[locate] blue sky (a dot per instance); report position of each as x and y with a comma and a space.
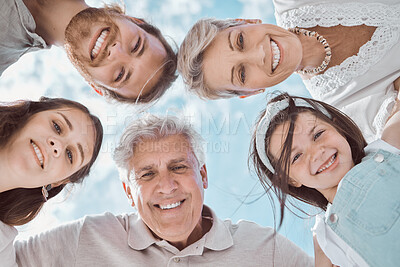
234, 191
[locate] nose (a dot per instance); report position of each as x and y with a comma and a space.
56, 146
115, 51
167, 183
316, 152
256, 55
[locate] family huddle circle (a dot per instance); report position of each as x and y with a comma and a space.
329, 153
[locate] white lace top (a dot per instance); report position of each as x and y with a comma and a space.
362, 85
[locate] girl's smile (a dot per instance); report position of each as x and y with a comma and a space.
320, 156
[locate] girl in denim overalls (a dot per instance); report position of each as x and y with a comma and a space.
313, 152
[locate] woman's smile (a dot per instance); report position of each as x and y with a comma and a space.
38, 153
251, 57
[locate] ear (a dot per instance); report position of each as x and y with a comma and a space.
95, 89
294, 183
128, 193
136, 20
204, 178
256, 92
250, 21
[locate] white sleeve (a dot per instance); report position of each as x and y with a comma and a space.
56, 247
7, 251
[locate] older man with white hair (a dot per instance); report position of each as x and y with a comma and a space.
163, 171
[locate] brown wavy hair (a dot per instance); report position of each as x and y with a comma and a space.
21, 205
278, 182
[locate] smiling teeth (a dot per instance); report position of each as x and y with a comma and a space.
99, 43
327, 165
170, 206
38, 153
276, 53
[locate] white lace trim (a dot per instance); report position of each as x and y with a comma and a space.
383, 113
369, 54
346, 14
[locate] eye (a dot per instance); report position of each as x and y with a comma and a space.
240, 41
147, 175
296, 157
69, 155
318, 134
56, 127
179, 168
137, 45
120, 75
242, 74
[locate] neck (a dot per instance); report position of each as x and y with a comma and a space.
52, 17
199, 231
313, 52
329, 194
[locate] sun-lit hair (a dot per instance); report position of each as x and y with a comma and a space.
21, 205
151, 127
278, 182
191, 52
168, 75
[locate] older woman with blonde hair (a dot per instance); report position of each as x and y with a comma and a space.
346, 54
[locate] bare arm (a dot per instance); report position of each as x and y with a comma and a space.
391, 132
397, 84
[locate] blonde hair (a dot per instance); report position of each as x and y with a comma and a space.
191, 51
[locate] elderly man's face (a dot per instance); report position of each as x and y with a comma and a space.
167, 186
116, 52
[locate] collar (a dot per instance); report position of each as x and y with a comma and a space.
218, 238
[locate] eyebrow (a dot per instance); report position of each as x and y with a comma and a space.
309, 133
144, 46
129, 74
81, 152
66, 121
151, 166
229, 40
312, 130
179, 160
231, 47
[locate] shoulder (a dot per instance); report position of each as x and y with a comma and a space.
263, 241
243, 227
106, 220
247, 231
381, 144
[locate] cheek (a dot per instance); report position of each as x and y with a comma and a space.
99, 74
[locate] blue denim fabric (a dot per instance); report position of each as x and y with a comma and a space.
366, 209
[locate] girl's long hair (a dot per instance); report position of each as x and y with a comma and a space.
19, 206
278, 183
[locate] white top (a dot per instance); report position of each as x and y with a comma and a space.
362, 85
337, 250
125, 240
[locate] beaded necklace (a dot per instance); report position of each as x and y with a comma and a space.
322, 40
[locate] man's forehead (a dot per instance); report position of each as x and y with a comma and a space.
166, 145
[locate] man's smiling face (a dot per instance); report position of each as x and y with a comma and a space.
167, 186
115, 52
